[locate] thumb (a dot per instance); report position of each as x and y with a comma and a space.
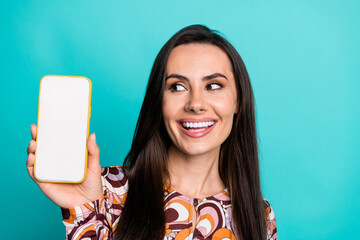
94, 152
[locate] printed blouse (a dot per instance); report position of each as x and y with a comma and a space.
98, 219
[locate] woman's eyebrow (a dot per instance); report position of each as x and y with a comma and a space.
175, 75
206, 78
214, 75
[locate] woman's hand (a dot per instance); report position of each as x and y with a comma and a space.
68, 195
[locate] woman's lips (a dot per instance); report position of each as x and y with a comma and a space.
196, 128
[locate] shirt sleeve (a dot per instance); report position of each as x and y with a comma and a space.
271, 229
98, 219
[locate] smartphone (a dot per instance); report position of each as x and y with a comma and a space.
62, 129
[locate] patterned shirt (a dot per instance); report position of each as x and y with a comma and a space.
98, 219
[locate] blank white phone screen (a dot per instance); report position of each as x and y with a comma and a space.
63, 119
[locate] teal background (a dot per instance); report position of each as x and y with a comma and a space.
303, 59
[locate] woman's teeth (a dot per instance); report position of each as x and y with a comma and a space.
193, 125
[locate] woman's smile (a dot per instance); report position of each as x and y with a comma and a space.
196, 128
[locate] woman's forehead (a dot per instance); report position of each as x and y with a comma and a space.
198, 57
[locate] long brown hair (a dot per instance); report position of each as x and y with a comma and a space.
145, 165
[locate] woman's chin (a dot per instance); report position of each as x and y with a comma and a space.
199, 150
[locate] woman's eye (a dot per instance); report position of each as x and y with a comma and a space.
177, 87
213, 86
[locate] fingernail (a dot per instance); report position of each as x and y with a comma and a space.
94, 137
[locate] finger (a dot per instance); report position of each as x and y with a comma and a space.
33, 129
30, 165
32, 147
94, 152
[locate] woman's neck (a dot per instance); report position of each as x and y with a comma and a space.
194, 176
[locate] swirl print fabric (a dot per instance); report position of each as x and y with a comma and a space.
213, 216
98, 219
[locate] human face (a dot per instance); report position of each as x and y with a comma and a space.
200, 98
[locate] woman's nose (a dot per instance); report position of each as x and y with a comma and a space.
196, 103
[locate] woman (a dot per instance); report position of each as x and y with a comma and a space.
192, 171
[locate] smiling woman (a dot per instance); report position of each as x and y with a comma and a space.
200, 99
192, 171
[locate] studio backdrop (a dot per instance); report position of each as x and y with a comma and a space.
303, 60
